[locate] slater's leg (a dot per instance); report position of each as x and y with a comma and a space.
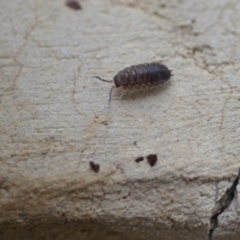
144, 91
123, 93
137, 88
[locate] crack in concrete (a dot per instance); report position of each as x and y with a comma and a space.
75, 77
222, 204
13, 86
226, 101
15, 55
217, 72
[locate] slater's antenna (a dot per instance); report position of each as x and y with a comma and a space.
110, 93
102, 79
110, 96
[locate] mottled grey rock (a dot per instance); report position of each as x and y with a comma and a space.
54, 120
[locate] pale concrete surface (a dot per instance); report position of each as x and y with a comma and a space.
54, 119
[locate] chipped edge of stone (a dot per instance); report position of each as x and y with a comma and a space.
222, 204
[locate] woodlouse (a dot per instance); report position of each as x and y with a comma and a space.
140, 76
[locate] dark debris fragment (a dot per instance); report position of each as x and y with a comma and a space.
139, 159
95, 167
74, 4
152, 159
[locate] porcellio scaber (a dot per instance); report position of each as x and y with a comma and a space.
141, 76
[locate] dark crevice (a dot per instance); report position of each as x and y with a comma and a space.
221, 205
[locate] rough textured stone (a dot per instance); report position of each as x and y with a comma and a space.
54, 119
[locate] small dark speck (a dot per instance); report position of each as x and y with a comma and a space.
95, 167
139, 159
104, 122
74, 4
152, 159
84, 230
23, 215
135, 143
239, 99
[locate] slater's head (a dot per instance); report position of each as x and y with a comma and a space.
166, 73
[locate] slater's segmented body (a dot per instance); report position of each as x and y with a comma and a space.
140, 76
